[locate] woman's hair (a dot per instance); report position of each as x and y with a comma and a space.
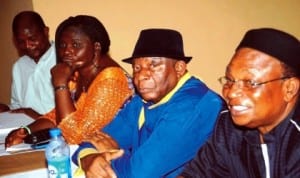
90, 26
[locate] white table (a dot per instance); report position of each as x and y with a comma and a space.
28, 164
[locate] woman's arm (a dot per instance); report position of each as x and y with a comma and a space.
17, 136
61, 75
98, 106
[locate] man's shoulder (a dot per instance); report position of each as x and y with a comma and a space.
193, 84
194, 87
23, 60
226, 132
49, 55
134, 101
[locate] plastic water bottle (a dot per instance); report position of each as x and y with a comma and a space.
58, 156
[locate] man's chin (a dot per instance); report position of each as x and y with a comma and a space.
33, 54
148, 97
240, 121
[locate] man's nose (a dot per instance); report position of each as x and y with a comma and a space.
144, 74
29, 44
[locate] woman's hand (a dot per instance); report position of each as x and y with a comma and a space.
61, 74
15, 137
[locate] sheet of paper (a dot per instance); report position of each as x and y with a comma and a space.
19, 148
13, 120
10, 121
2, 150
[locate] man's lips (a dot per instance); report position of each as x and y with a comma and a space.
145, 90
238, 109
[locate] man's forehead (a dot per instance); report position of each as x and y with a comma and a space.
27, 30
252, 60
251, 55
149, 59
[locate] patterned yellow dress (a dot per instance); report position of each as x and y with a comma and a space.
96, 107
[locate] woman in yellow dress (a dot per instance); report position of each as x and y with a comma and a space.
90, 87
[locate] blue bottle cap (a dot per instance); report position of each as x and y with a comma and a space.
55, 132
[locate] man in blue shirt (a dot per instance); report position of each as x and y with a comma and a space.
162, 127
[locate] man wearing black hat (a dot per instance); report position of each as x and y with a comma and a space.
163, 126
259, 134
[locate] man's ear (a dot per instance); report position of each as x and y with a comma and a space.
19, 49
46, 31
291, 87
180, 68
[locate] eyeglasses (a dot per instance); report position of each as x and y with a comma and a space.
246, 84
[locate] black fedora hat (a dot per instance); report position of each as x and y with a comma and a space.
159, 43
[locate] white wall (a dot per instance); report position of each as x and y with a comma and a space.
211, 29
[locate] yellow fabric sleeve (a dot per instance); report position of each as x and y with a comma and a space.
87, 151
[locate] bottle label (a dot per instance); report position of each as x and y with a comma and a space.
59, 167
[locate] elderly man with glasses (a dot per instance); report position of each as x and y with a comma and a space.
259, 134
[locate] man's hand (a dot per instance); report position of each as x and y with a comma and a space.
15, 137
98, 165
3, 107
103, 142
